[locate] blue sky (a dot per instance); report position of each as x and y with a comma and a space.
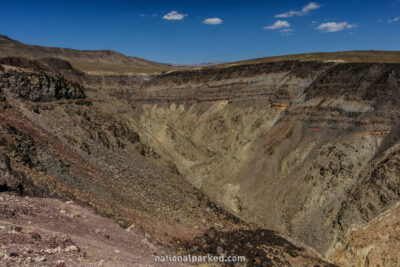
193, 31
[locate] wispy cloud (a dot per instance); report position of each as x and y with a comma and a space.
304, 11
212, 21
142, 15
278, 25
286, 32
335, 26
394, 20
174, 15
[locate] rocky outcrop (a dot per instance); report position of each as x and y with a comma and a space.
14, 181
40, 86
10, 180
375, 244
262, 247
308, 149
305, 148
259, 82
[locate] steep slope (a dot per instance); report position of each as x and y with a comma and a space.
79, 140
375, 244
49, 232
306, 148
90, 61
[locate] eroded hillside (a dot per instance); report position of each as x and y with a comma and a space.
308, 149
90, 61
67, 135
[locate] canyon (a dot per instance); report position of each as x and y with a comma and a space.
306, 148
295, 162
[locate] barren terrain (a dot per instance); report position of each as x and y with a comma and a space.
49, 232
289, 163
100, 61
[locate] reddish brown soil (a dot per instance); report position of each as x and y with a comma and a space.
49, 232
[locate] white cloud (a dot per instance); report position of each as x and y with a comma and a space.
142, 15
174, 15
212, 21
309, 7
286, 32
304, 11
394, 20
335, 26
278, 25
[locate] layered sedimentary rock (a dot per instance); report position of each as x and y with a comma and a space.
306, 148
78, 137
309, 149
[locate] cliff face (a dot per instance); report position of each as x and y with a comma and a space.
73, 136
309, 149
306, 148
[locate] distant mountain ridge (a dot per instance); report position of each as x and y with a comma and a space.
361, 56
229, 159
89, 61
202, 64
112, 62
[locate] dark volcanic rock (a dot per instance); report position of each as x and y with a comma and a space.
44, 81
20, 62
260, 247
40, 86
13, 181
309, 149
